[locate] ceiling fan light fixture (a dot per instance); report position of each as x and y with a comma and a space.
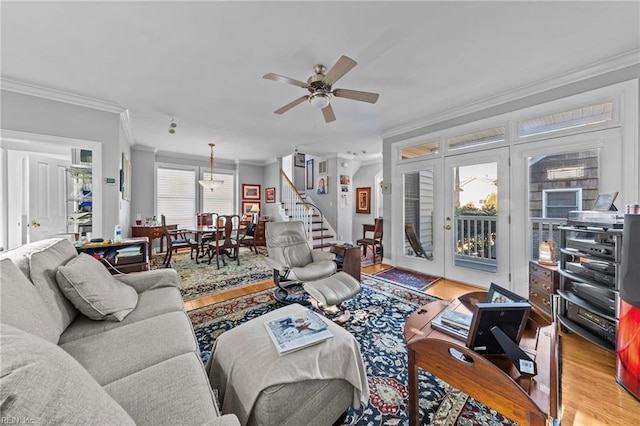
319, 100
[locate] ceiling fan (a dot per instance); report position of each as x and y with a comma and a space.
320, 89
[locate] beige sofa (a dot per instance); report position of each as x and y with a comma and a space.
138, 364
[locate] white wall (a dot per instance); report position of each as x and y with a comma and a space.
32, 114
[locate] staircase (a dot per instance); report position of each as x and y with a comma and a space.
297, 206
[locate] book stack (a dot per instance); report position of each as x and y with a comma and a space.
130, 254
453, 323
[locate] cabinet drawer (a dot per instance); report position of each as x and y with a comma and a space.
542, 285
543, 274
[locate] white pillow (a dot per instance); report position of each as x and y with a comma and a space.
94, 291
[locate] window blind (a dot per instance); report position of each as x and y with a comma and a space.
220, 200
176, 196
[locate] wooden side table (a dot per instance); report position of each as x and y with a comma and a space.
490, 379
151, 232
350, 258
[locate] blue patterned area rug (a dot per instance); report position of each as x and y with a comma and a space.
381, 340
408, 278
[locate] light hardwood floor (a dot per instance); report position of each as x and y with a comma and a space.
590, 394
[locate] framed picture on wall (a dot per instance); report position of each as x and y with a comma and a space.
310, 174
363, 200
323, 185
125, 178
250, 192
270, 195
250, 207
298, 159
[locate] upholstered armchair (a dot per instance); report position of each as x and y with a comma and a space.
292, 259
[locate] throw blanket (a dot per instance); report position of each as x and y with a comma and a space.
244, 362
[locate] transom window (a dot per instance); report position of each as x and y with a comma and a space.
482, 137
570, 119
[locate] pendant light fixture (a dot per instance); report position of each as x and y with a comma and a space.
211, 183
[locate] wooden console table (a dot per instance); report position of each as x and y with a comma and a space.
351, 258
151, 232
492, 379
107, 253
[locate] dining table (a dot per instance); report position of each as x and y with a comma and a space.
201, 230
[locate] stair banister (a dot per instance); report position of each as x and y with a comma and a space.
304, 203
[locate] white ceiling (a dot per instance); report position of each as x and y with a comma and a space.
203, 62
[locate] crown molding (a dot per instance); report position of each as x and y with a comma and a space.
59, 95
598, 68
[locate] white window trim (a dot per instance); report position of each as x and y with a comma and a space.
547, 191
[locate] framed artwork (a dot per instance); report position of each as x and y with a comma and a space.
298, 160
363, 200
125, 178
323, 185
310, 174
322, 167
270, 195
345, 179
510, 318
250, 192
499, 294
250, 207
604, 202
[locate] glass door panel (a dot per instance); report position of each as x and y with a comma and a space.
477, 185
420, 232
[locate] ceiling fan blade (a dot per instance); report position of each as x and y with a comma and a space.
356, 95
283, 79
290, 105
329, 116
343, 66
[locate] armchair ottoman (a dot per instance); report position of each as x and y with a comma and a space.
311, 386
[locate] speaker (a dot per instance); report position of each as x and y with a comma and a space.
630, 265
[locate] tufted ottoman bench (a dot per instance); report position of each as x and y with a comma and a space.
311, 386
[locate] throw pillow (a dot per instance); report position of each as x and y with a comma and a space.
21, 304
94, 291
42, 384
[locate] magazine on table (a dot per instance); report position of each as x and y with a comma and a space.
294, 332
452, 324
456, 319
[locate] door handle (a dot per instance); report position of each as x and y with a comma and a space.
35, 224
448, 227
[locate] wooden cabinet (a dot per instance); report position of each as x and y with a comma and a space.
543, 282
126, 256
151, 232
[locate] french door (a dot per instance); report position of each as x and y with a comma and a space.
455, 214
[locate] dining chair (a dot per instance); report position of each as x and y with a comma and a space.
374, 240
205, 219
175, 239
226, 241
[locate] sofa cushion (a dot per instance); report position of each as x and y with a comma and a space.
117, 353
42, 383
173, 392
94, 291
151, 303
43, 258
21, 306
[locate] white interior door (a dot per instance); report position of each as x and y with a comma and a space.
476, 217
46, 215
